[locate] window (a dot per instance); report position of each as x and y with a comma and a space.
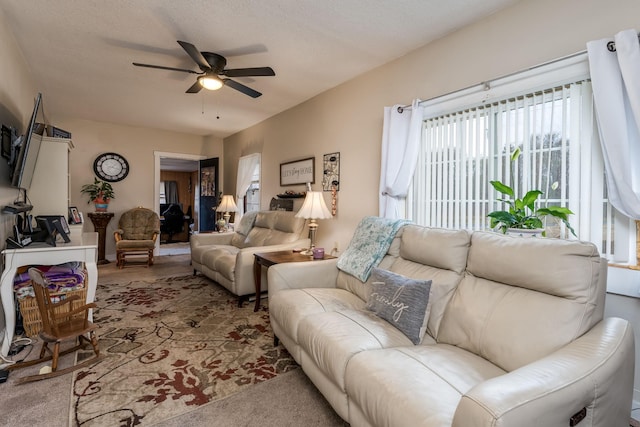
163, 194
248, 183
252, 196
546, 113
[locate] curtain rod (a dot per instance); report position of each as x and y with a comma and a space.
611, 47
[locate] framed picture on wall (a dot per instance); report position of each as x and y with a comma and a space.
298, 172
331, 171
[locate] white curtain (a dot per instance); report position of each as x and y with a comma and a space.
615, 78
246, 168
171, 191
400, 143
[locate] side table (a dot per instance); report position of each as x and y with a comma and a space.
267, 259
100, 221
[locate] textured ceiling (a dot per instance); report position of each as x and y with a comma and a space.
81, 52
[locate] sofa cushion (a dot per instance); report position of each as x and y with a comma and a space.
511, 310
437, 247
290, 305
413, 386
331, 339
242, 229
401, 301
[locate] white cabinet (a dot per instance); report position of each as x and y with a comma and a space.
49, 192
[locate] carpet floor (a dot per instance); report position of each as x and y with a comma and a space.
178, 352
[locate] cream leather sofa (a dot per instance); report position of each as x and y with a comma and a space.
227, 258
515, 336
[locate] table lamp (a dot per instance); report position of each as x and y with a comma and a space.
227, 205
313, 208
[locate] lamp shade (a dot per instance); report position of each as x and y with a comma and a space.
314, 207
227, 204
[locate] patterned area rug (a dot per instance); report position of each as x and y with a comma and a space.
171, 346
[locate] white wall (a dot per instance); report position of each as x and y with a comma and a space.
348, 118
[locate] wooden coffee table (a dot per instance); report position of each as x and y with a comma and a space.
267, 259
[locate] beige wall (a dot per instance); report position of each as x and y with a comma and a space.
138, 146
348, 118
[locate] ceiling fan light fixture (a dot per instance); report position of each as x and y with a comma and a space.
210, 82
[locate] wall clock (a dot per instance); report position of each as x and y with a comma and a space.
111, 167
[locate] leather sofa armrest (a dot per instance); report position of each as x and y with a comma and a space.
297, 275
248, 252
244, 280
206, 239
595, 372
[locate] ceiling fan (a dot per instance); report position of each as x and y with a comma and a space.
213, 74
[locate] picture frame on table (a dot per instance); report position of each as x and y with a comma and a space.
74, 215
298, 172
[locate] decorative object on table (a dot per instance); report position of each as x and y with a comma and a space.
523, 213
111, 167
318, 253
138, 229
227, 205
331, 172
74, 215
312, 209
100, 193
280, 204
292, 194
298, 172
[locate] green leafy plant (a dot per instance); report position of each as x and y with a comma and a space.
523, 213
99, 190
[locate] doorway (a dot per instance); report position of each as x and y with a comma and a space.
177, 170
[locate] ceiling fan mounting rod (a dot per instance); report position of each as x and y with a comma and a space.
217, 62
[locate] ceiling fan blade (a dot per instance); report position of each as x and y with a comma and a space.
242, 88
195, 54
249, 72
195, 88
160, 67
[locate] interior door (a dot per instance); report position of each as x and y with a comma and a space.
209, 194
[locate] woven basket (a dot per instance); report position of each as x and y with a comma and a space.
31, 321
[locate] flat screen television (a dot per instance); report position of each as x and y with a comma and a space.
26, 153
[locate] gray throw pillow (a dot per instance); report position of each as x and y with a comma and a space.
401, 301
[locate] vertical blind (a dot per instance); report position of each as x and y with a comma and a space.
461, 151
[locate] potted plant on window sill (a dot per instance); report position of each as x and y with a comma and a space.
100, 193
523, 217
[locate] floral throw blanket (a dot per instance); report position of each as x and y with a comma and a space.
369, 244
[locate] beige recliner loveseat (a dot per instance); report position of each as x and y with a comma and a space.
227, 258
514, 337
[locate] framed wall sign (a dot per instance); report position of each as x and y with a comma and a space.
298, 172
